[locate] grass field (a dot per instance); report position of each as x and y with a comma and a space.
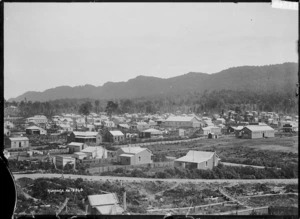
262, 152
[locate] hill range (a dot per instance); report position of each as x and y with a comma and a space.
280, 78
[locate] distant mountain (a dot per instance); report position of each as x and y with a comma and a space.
270, 78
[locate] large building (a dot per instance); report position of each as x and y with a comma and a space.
257, 131
182, 122
134, 156
37, 119
89, 138
198, 160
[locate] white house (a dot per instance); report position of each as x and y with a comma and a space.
37, 119
134, 155
198, 160
94, 152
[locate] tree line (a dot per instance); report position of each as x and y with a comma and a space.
208, 101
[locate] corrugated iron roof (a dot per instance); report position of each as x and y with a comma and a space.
103, 199
196, 156
110, 209
19, 138
179, 119
116, 133
75, 144
86, 134
153, 131
133, 150
126, 155
259, 128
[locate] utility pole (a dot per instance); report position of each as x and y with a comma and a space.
124, 201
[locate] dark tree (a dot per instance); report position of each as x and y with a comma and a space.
111, 107
85, 108
97, 103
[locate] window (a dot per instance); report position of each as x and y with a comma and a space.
206, 163
139, 159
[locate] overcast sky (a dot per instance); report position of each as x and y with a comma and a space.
52, 44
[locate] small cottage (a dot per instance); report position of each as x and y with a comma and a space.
17, 142
114, 136
198, 160
134, 155
76, 147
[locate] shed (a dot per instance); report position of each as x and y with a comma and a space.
104, 204
17, 142
76, 147
151, 133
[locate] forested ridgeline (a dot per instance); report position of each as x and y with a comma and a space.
210, 102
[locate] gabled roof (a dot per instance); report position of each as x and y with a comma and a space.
80, 154
237, 128
75, 144
133, 150
110, 209
34, 127
19, 139
124, 126
86, 134
208, 128
196, 156
92, 149
179, 119
153, 131
259, 128
103, 199
116, 133
142, 123
126, 155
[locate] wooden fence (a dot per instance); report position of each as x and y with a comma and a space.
99, 162
193, 209
259, 211
164, 142
95, 170
56, 151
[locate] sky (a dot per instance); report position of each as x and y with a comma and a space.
54, 44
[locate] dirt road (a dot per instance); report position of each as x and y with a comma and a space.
134, 179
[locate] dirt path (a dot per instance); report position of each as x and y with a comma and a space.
244, 165
134, 179
170, 188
